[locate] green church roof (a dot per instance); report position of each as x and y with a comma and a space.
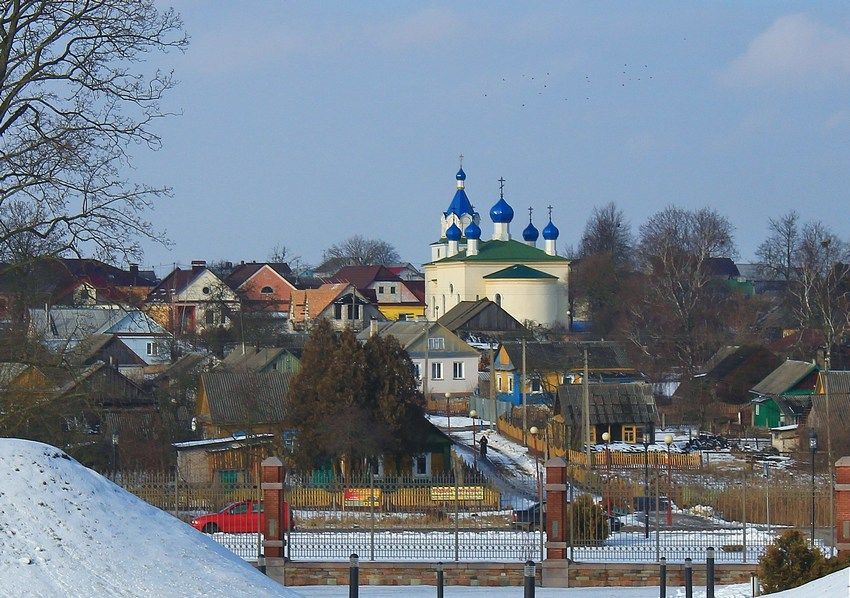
504, 251
519, 271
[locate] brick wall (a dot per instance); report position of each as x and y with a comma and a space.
497, 574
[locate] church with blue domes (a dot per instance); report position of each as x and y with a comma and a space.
529, 282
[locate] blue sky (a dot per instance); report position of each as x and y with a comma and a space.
304, 123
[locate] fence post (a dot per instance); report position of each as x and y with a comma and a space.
273, 505
744, 512
440, 580
709, 572
529, 579
556, 508
662, 577
353, 575
457, 515
371, 513
657, 518
689, 578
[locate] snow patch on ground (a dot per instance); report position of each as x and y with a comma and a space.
67, 531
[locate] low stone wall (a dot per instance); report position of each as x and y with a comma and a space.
552, 574
637, 575
397, 574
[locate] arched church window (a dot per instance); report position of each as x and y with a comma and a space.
451, 288
498, 299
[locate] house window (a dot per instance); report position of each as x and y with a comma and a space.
417, 370
457, 370
152, 349
630, 434
437, 343
422, 465
510, 383
337, 311
267, 290
380, 290
353, 311
499, 383
436, 371
392, 290
209, 316
535, 385
206, 290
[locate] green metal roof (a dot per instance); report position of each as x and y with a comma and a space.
504, 251
520, 271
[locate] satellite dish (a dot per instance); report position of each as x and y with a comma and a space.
194, 424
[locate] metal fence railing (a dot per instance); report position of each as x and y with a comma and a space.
613, 515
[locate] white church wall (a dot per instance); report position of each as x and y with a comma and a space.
536, 300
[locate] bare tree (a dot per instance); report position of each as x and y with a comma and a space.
280, 254
816, 265
608, 233
360, 251
679, 311
777, 253
73, 100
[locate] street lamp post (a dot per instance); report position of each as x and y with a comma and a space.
448, 412
646, 484
813, 445
668, 440
606, 437
535, 432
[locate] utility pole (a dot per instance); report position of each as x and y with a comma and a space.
493, 415
524, 406
586, 408
826, 364
427, 350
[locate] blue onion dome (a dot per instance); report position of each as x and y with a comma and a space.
461, 175
473, 231
550, 232
501, 212
453, 233
530, 233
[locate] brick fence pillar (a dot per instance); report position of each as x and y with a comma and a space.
273, 507
556, 508
842, 504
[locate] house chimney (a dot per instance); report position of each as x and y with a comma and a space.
373, 328
198, 265
134, 269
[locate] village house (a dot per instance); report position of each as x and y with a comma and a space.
398, 299
784, 396
443, 363
263, 287
626, 411
191, 301
340, 303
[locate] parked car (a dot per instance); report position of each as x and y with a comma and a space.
245, 516
529, 519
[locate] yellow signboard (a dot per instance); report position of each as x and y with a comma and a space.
443, 493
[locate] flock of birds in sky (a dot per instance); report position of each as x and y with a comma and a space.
544, 85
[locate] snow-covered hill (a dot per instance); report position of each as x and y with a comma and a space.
67, 531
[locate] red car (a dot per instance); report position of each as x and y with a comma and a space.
241, 517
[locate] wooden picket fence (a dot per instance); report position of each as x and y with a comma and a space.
617, 459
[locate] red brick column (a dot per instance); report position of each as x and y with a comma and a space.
842, 504
273, 506
556, 508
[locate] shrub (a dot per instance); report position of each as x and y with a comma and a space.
588, 520
789, 562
